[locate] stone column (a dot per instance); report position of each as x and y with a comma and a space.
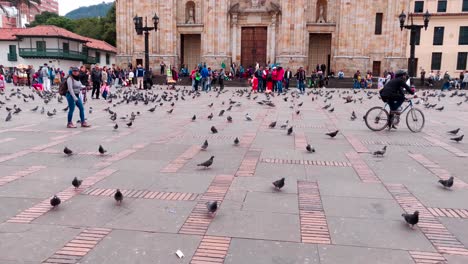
272, 40
234, 36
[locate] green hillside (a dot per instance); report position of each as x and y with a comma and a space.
99, 10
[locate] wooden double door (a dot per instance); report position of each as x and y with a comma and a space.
253, 46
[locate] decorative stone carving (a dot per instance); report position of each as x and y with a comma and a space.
321, 11
190, 10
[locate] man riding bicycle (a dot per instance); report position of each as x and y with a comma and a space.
393, 94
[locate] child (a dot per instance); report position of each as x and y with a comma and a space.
254, 84
2, 83
104, 90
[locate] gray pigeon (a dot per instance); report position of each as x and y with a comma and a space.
207, 163
212, 207
55, 201
411, 219
205, 145
76, 183
8, 118
447, 183
380, 153
236, 141
118, 196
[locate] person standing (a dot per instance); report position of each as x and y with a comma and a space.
423, 77
204, 78
287, 77
300, 76
465, 80
221, 77
279, 81
45, 77
140, 74
163, 67
274, 79
96, 78
104, 78
73, 98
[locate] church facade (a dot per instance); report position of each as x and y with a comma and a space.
346, 35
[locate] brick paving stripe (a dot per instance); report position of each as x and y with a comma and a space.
212, 249
440, 237
356, 143
198, 221
307, 162
20, 174
78, 247
180, 161
5, 140
361, 168
30, 214
438, 171
249, 164
433, 139
300, 141
420, 257
314, 227
144, 194
448, 212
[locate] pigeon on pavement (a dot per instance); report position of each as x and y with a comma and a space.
205, 145
411, 219
214, 130
118, 196
67, 151
55, 201
458, 139
454, 132
447, 183
76, 183
380, 153
279, 184
310, 148
207, 163
212, 207
332, 134
101, 150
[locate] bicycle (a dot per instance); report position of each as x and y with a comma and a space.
377, 118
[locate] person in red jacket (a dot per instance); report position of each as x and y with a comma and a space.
274, 78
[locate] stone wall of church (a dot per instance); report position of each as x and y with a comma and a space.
349, 23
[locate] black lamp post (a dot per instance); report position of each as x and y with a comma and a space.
413, 28
139, 28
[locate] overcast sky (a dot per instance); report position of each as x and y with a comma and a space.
66, 6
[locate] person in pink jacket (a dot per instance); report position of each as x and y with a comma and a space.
274, 77
279, 83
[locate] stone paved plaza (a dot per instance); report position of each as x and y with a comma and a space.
339, 205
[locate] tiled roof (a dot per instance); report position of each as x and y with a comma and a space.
53, 31
9, 33
50, 31
100, 45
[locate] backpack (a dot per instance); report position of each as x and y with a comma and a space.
63, 88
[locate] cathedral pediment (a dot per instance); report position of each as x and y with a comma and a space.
255, 6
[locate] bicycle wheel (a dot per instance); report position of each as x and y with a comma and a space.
376, 118
415, 120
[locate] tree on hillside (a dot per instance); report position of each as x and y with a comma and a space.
20, 3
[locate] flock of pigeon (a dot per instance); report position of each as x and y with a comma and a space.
159, 98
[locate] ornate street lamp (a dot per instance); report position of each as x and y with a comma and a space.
413, 29
139, 28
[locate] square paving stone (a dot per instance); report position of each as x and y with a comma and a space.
98, 211
259, 225
458, 227
331, 174
264, 184
17, 239
358, 255
276, 202
353, 189
13, 206
25, 188
270, 252
434, 195
455, 259
123, 247
278, 171
377, 233
361, 208
153, 215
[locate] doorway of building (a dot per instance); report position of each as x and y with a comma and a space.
253, 46
319, 51
190, 50
376, 68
